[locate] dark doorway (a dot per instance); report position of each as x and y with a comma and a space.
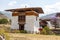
21, 26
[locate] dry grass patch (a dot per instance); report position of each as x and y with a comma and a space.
18, 36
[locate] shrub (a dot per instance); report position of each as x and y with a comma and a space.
43, 31
46, 31
3, 21
23, 31
18, 31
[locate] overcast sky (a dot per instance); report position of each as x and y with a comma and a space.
49, 6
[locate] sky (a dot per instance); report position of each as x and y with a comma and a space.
48, 6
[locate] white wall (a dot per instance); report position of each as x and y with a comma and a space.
50, 25
36, 24
29, 26
31, 23
14, 24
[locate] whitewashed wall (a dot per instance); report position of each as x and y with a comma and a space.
36, 25
31, 23
14, 24
29, 26
50, 25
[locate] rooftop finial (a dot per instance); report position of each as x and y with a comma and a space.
25, 6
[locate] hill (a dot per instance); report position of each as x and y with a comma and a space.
3, 16
48, 16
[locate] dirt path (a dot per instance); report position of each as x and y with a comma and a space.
33, 37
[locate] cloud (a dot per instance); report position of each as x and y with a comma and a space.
52, 8
12, 3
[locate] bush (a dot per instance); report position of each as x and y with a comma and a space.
18, 31
46, 31
3, 21
43, 31
23, 31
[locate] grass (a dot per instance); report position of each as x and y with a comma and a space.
3, 32
22, 36
19, 36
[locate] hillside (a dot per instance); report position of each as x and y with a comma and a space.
48, 16
7, 14
2, 16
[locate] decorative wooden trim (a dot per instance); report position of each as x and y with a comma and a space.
28, 13
15, 14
